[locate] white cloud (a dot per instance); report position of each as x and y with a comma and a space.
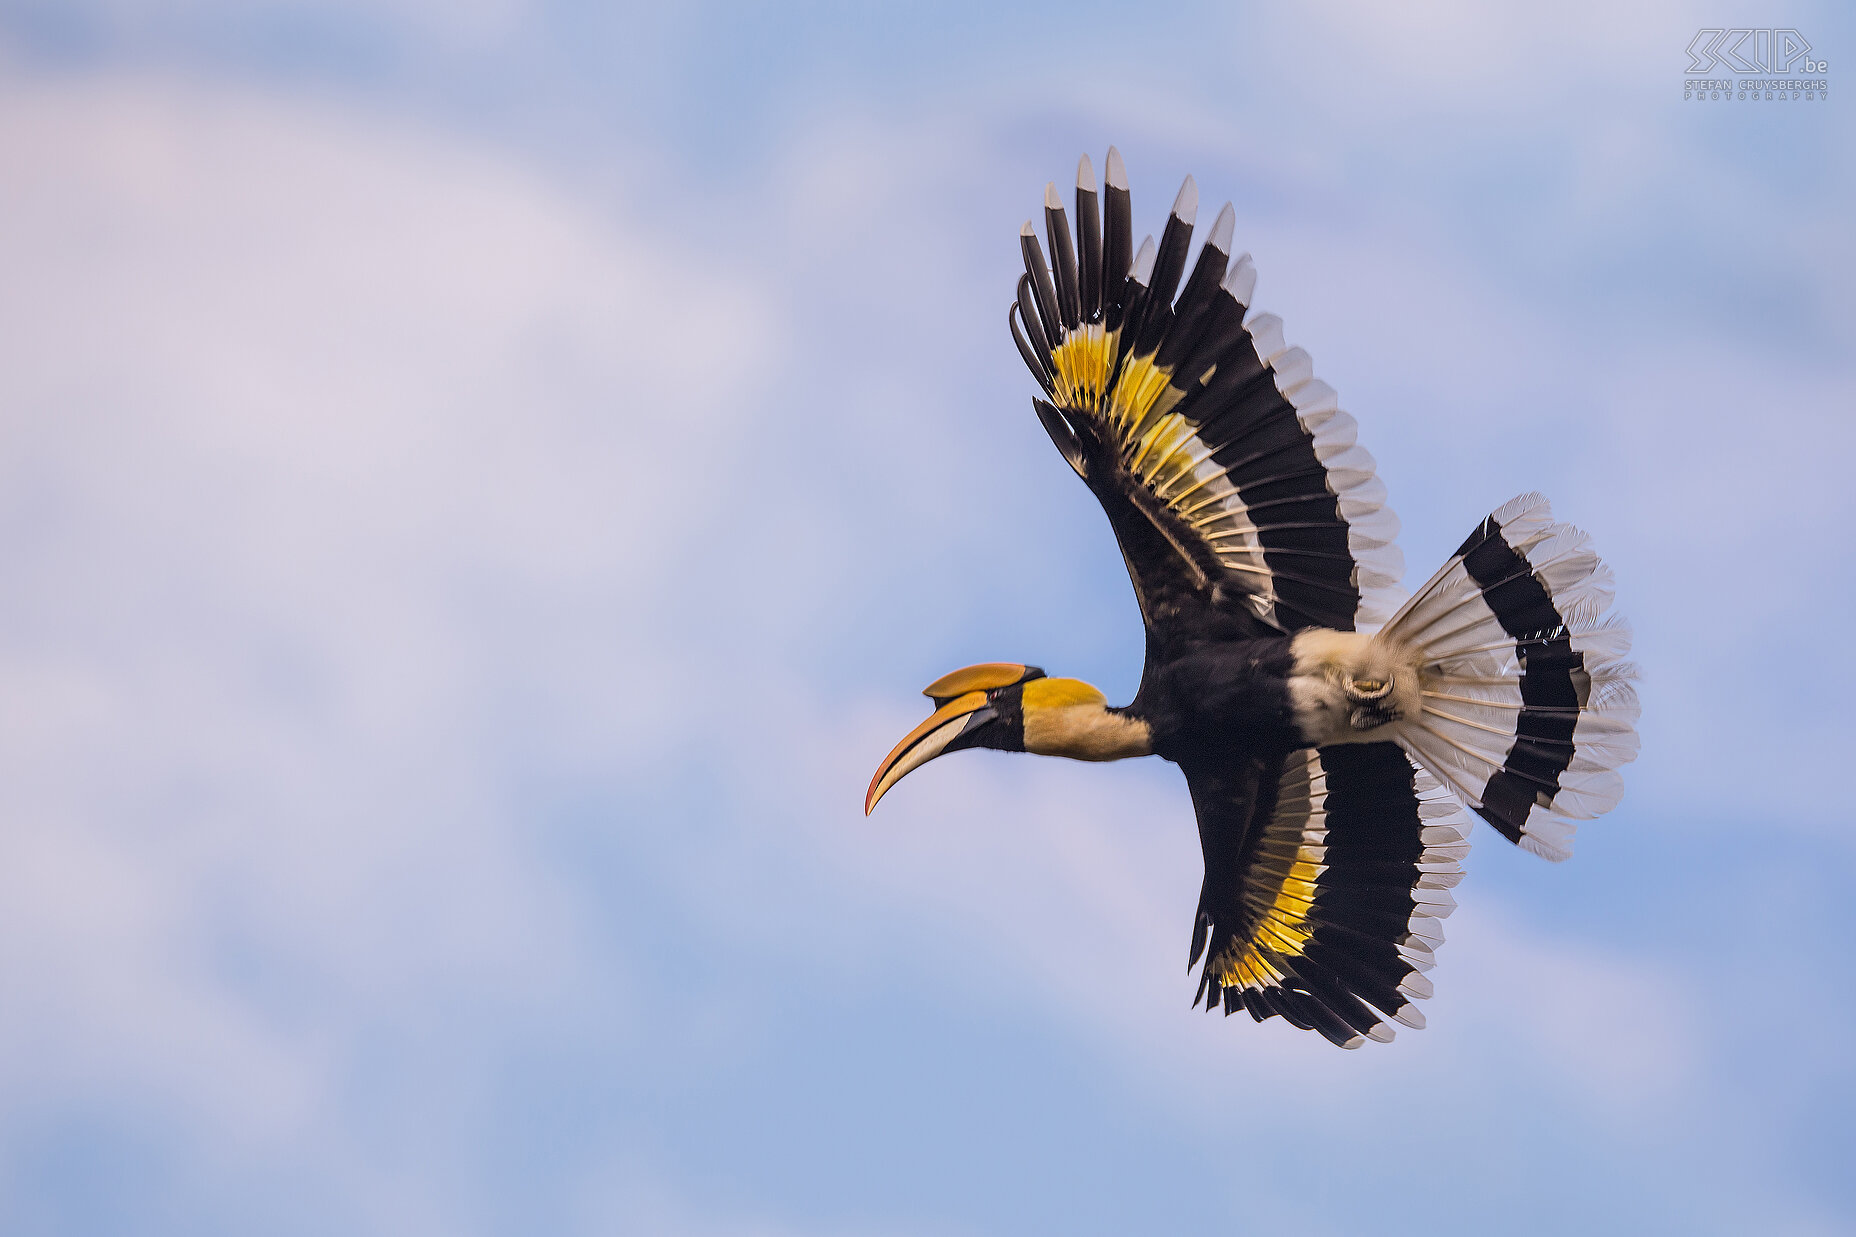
354, 479
469, 25
335, 455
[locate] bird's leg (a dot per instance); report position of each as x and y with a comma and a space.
1373, 704
1347, 687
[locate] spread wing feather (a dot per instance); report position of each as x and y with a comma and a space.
1326, 882
1231, 476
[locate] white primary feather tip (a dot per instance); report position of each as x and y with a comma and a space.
1186, 205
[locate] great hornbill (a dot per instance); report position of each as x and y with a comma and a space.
1331, 729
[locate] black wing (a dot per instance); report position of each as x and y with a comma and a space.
1227, 469
1326, 878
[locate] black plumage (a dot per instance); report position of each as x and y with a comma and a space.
1044, 291
1328, 768
1088, 242
1117, 238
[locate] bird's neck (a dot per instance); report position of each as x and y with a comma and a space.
1087, 732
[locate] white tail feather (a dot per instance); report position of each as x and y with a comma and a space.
1528, 701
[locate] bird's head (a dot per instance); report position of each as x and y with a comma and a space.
1011, 708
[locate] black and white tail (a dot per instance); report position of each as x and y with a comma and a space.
1528, 704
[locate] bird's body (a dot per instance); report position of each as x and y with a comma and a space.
1216, 697
1331, 730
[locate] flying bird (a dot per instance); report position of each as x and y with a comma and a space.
1332, 730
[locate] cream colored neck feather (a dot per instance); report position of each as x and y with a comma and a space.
1086, 732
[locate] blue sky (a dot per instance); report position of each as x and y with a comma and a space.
480, 488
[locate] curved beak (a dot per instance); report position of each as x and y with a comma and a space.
927, 741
